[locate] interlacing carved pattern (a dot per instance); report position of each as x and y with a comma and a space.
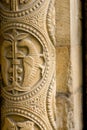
27, 65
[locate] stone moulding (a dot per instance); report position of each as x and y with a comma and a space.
27, 65
76, 60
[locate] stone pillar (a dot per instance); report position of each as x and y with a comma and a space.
69, 64
64, 99
27, 64
76, 60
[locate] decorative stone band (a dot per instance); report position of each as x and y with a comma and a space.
27, 68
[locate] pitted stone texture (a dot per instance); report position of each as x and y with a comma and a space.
62, 68
62, 22
64, 113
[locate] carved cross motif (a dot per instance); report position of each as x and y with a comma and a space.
15, 55
24, 61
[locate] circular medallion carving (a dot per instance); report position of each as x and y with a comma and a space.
18, 8
25, 59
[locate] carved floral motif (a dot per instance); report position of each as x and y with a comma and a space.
22, 59
27, 66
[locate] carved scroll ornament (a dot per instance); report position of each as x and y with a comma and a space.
27, 75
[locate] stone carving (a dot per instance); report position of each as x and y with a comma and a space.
18, 50
14, 4
27, 72
18, 8
51, 21
10, 125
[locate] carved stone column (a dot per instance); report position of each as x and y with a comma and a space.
27, 63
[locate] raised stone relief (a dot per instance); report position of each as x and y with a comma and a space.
14, 5
11, 125
27, 66
23, 60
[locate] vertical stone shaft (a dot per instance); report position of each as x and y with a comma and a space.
76, 59
27, 64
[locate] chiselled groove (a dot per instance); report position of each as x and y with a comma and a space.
27, 66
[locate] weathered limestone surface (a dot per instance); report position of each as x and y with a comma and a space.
63, 68
69, 65
62, 22
27, 64
64, 99
76, 60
